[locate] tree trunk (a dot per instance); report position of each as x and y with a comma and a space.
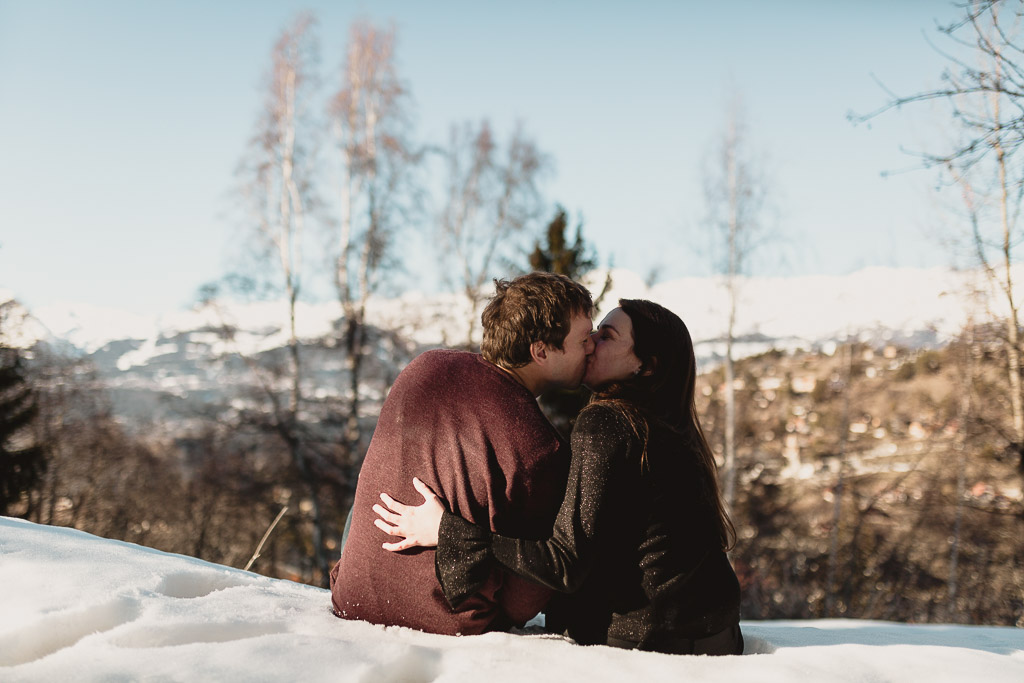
964, 416
1012, 322
291, 229
837, 502
731, 465
729, 485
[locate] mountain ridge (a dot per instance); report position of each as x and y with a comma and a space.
913, 306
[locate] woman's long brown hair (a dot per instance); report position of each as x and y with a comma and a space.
664, 391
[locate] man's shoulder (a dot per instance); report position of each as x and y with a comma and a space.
445, 357
441, 383
455, 365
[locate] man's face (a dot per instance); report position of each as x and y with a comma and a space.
567, 366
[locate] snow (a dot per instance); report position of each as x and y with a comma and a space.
78, 607
814, 307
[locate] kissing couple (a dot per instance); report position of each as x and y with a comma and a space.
619, 537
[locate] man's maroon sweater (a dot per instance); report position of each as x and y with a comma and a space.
478, 439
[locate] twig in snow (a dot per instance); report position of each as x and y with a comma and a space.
263, 540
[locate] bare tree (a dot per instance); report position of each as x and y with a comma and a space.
837, 492
378, 193
966, 372
491, 196
734, 194
277, 176
983, 85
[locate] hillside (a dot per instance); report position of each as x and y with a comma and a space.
872, 483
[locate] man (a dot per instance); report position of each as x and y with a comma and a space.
469, 427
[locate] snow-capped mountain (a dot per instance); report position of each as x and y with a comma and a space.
151, 361
902, 304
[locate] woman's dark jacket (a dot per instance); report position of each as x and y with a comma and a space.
635, 546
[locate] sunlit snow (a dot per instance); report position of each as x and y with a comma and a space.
77, 607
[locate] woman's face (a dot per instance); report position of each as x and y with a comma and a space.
613, 359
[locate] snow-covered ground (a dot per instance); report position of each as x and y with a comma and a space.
77, 607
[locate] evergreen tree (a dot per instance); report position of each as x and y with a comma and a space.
20, 465
556, 256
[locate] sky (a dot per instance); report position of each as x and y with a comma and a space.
123, 123
78, 607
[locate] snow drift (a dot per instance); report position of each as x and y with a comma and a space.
78, 607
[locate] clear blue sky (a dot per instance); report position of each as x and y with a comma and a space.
121, 124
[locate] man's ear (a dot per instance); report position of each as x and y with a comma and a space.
538, 352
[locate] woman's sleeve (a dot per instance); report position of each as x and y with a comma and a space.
465, 551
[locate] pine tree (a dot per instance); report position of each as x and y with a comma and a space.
556, 257
20, 465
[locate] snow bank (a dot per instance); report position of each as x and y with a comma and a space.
77, 607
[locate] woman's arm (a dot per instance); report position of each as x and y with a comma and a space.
417, 525
601, 447
600, 451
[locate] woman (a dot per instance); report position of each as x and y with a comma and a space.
640, 541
